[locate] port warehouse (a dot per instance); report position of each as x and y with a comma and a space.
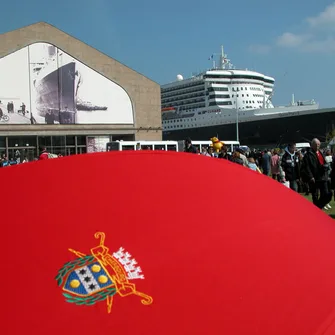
142, 114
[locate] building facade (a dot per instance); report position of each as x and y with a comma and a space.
58, 92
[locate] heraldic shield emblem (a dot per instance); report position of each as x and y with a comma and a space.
100, 276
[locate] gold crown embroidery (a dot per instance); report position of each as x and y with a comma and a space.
99, 276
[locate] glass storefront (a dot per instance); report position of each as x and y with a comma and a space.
28, 147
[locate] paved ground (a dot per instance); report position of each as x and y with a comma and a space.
14, 118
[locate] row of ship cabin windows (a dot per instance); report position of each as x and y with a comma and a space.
229, 103
186, 107
182, 103
187, 119
184, 91
237, 76
187, 97
225, 103
255, 95
250, 102
192, 125
165, 99
241, 83
188, 93
226, 96
217, 96
211, 103
234, 89
180, 87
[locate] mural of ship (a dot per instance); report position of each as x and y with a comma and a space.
56, 94
57, 84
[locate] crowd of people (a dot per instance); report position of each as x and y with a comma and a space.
44, 154
309, 171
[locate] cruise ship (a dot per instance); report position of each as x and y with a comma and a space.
234, 104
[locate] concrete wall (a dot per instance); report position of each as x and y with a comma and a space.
144, 93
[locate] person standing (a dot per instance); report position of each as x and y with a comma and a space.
290, 166
189, 147
44, 153
243, 157
266, 162
4, 161
224, 153
315, 172
329, 160
275, 163
204, 152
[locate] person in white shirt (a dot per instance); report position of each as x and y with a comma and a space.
243, 157
329, 160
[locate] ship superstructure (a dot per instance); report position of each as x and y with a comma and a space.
221, 86
216, 99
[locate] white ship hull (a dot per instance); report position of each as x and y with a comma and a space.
205, 117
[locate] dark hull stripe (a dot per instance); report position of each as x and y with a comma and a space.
277, 131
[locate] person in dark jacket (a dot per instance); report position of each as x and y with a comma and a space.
301, 185
266, 162
332, 177
224, 154
315, 172
189, 147
290, 165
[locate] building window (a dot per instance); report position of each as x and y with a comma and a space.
70, 140
2, 142
81, 140
22, 141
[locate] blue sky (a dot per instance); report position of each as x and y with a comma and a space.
293, 41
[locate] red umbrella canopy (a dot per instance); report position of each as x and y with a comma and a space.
161, 243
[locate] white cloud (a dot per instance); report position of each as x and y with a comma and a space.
292, 40
318, 35
324, 19
307, 42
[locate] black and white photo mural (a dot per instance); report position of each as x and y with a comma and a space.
41, 84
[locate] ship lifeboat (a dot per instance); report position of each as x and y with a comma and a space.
168, 109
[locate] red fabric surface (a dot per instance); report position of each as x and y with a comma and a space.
223, 249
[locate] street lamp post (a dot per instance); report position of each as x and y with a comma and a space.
237, 130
